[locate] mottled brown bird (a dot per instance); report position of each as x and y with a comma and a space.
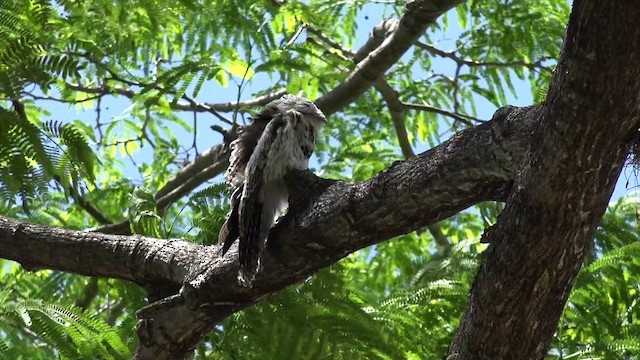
280, 138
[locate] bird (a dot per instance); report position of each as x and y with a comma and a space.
280, 138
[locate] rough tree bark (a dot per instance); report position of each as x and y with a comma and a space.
554, 203
587, 125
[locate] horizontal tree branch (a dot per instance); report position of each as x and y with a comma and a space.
135, 258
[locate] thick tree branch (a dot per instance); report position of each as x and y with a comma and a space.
134, 258
418, 16
591, 116
392, 98
476, 165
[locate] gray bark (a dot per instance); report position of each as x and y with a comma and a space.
587, 126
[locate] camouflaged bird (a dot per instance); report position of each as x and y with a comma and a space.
280, 138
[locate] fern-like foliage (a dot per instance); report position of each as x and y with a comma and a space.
32, 155
332, 317
210, 206
75, 334
24, 47
143, 213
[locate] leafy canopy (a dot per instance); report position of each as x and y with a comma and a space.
102, 102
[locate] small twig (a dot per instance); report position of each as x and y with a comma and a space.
196, 105
98, 124
143, 129
51, 98
90, 209
295, 36
240, 87
465, 119
334, 44
190, 105
195, 132
460, 61
130, 156
456, 86
220, 129
125, 142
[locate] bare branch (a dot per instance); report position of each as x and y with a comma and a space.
295, 36
396, 109
52, 98
89, 208
418, 16
334, 44
471, 63
465, 119
188, 105
258, 101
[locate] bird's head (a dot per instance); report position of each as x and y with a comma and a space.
304, 106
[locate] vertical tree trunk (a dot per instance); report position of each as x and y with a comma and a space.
590, 117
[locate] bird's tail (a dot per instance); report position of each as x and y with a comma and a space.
257, 216
251, 240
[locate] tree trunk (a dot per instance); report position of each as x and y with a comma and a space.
586, 128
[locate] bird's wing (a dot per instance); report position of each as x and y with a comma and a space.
252, 231
229, 231
308, 140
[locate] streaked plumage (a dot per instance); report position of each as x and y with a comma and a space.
280, 138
